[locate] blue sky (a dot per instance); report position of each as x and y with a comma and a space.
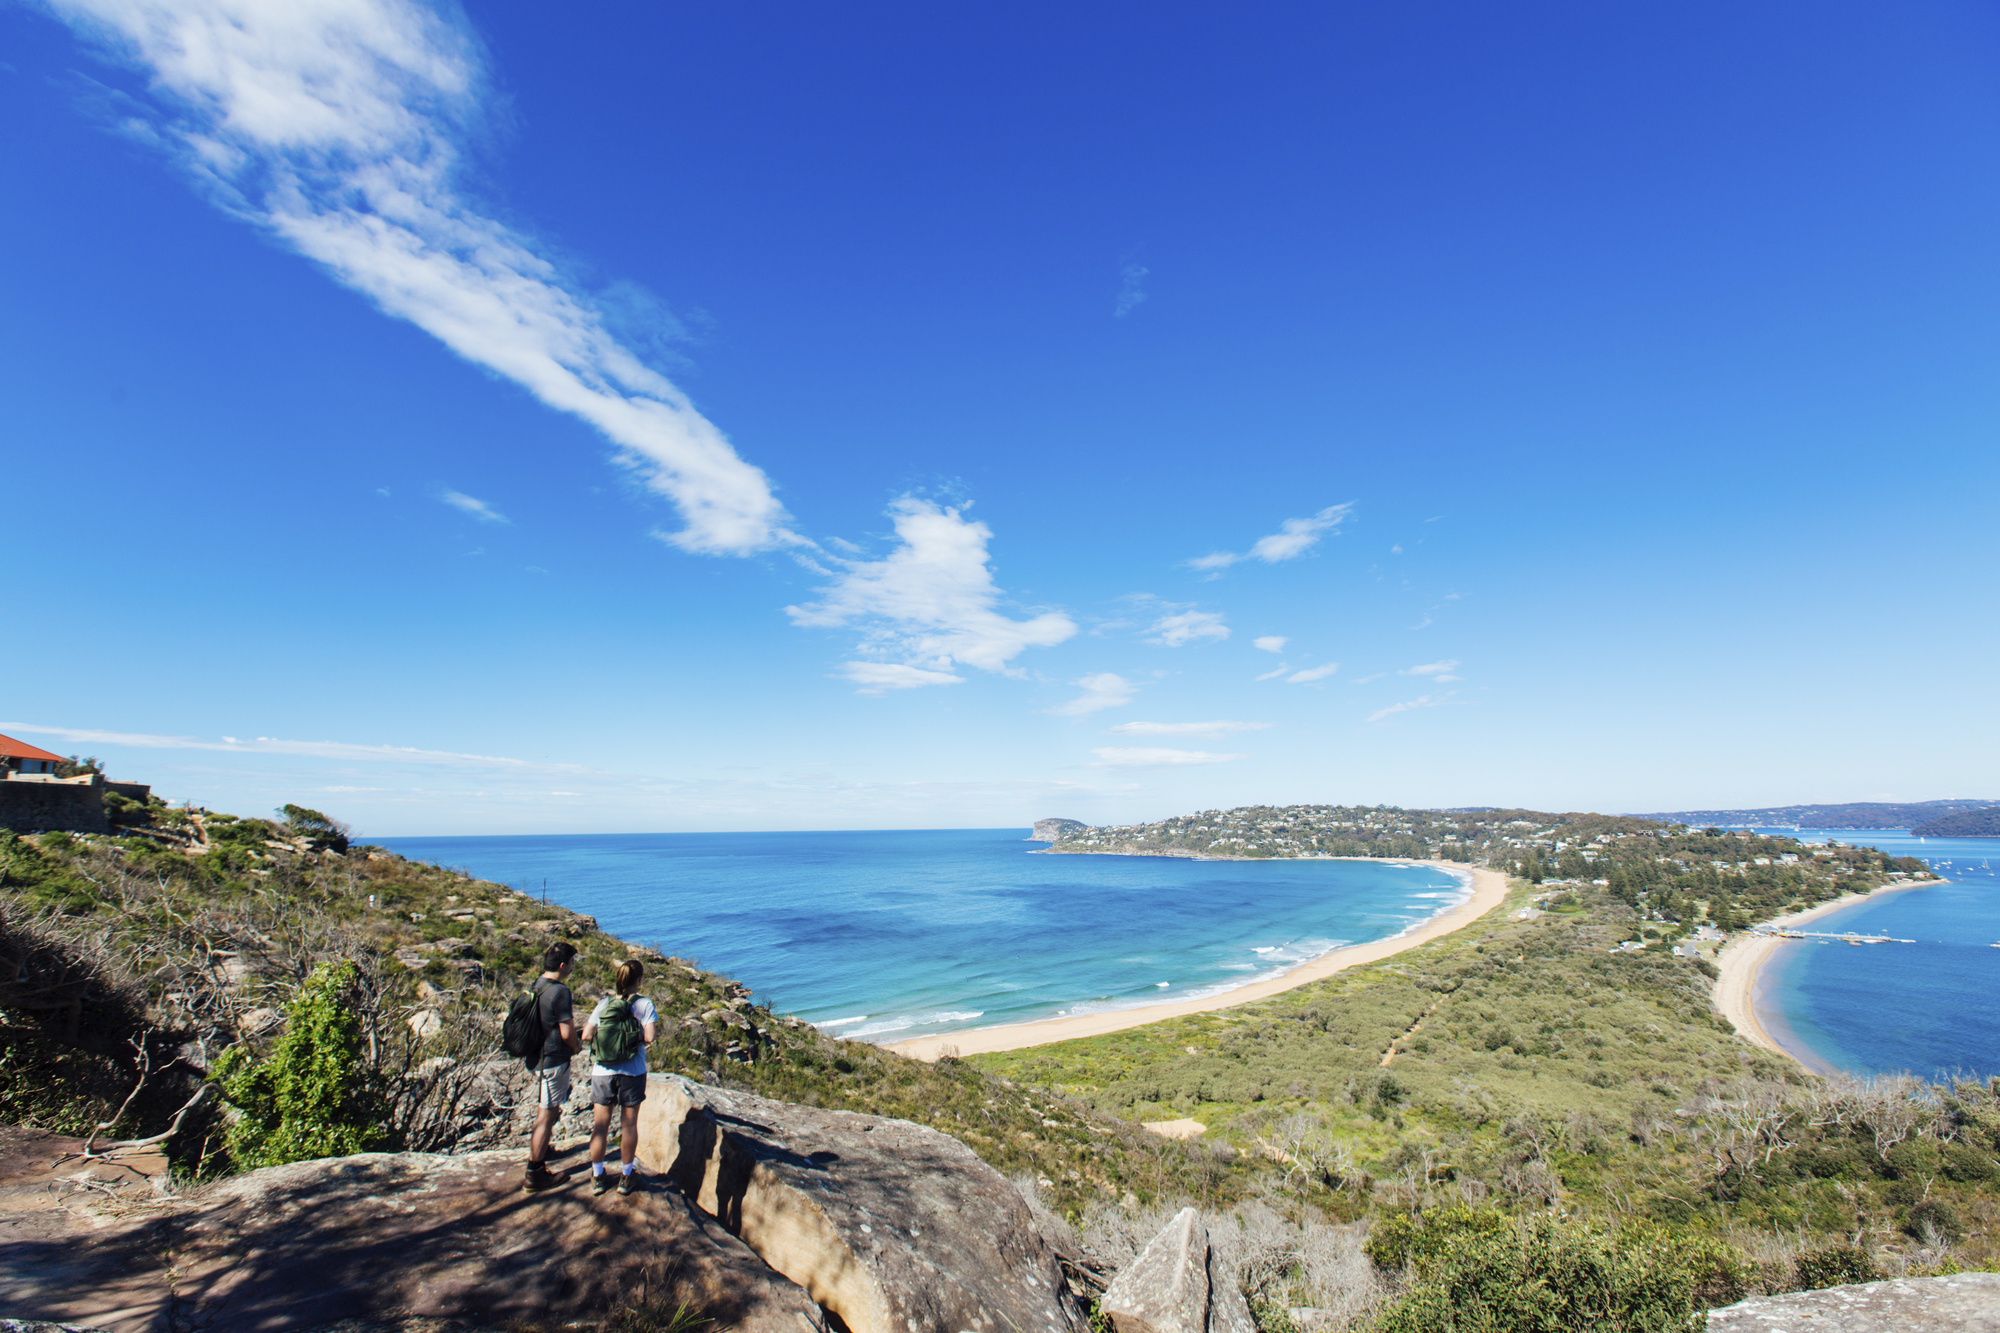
670, 417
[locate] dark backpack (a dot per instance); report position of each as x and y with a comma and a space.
618, 1037
522, 1035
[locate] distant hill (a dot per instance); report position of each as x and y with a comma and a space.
1967, 824
1853, 814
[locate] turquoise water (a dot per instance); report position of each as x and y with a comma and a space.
883, 936
1932, 1007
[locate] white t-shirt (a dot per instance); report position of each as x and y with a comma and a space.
643, 1013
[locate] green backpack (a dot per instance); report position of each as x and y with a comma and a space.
618, 1037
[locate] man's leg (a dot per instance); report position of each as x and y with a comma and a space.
538, 1141
552, 1094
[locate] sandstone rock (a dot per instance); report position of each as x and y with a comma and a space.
1178, 1285
424, 1024
375, 1237
1048, 830
1964, 1303
891, 1226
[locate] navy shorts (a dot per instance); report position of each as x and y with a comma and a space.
617, 1089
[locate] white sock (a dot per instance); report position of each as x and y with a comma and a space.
597, 1168
629, 1166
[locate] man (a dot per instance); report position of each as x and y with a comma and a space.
559, 1044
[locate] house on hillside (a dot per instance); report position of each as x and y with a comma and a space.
21, 757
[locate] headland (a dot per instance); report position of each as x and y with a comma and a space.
1489, 890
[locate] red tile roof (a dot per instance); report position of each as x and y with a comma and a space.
13, 749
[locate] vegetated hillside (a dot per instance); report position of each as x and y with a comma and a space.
1522, 1063
1965, 824
140, 960
1853, 814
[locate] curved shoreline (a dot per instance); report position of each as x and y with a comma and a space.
1489, 890
1742, 960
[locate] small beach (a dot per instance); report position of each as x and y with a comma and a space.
1489, 890
1743, 958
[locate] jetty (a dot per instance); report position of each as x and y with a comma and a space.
1849, 937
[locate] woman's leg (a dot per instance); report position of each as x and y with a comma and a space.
628, 1143
599, 1126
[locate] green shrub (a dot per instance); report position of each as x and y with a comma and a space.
1476, 1270
314, 1097
1834, 1266
1937, 1216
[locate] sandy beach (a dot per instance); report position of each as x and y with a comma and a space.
1489, 889
1736, 989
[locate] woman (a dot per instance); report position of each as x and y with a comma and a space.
619, 1030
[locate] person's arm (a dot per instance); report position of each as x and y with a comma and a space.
649, 1026
566, 1028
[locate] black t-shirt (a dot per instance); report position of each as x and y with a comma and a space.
557, 1007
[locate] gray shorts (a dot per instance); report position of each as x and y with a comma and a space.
554, 1086
617, 1089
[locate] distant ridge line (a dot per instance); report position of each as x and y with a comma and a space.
1851, 814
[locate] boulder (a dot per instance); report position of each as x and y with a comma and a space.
1178, 1284
380, 1236
1962, 1303
890, 1226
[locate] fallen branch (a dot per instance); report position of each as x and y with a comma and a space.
161, 1137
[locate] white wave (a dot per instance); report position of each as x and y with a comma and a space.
904, 1022
1162, 985
840, 1022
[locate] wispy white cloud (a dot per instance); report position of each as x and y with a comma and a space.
347, 750
1115, 756
1280, 670
479, 509
1270, 643
1440, 671
1187, 627
932, 602
1311, 674
1184, 728
879, 677
1102, 691
1294, 537
335, 125
1131, 290
1421, 701
1363, 680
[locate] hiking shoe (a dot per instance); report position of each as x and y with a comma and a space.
600, 1182
541, 1178
625, 1185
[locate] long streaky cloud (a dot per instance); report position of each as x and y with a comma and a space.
348, 750
335, 126
1185, 728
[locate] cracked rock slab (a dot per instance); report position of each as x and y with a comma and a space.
1962, 1303
1178, 1284
892, 1226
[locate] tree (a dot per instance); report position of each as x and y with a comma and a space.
321, 829
315, 1096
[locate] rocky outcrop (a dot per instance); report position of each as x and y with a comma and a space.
1964, 1303
376, 1237
1049, 830
890, 1226
1178, 1284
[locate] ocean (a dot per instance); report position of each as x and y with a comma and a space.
1930, 1008
883, 936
